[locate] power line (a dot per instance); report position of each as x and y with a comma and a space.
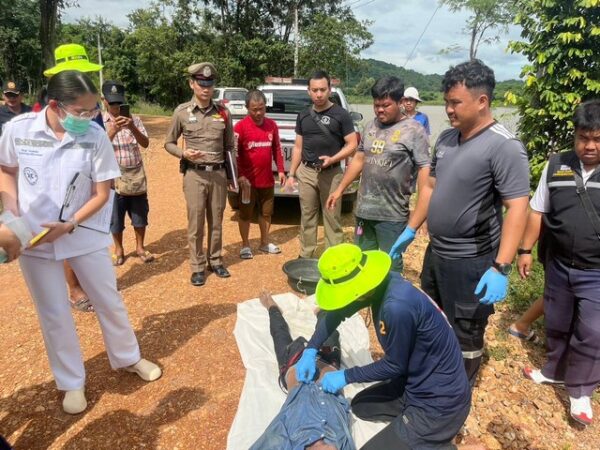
420, 37
364, 4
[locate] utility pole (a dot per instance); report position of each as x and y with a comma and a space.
296, 40
100, 60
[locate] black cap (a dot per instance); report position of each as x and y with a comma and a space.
113, 92
14, 87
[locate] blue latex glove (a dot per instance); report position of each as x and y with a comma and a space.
402, 243
306, 367
495, 285
332, 382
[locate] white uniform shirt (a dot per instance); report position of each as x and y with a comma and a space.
540, 201
46, 167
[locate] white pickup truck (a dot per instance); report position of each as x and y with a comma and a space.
284, 102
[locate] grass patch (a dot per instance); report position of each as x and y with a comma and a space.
522, 293
150, 109
498, 352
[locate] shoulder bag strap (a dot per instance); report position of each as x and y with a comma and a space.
588, 206
326, 131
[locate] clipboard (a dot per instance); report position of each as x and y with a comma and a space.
78, 194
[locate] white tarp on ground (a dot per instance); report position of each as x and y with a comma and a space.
262, 397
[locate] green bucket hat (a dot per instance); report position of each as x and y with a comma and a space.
71, 57
348, 273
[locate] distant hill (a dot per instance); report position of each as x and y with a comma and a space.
360, 79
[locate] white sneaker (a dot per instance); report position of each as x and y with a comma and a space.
581, 410
537, 377
147, 371
74, 401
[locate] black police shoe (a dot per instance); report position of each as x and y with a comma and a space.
198, 279
219, 271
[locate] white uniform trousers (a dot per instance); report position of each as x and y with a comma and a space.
46, 282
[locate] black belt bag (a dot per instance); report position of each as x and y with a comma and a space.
317, 166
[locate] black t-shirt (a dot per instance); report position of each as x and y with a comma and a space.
6, 114
314, 142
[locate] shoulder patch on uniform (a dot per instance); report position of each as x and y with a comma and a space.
182, 106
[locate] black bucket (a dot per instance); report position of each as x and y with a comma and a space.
303, 275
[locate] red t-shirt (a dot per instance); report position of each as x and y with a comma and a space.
258, 147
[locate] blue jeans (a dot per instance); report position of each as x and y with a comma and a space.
379, 235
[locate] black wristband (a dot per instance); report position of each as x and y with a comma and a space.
523, 251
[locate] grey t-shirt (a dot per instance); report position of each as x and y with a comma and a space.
391, 154
472, 179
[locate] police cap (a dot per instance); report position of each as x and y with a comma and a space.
205, 73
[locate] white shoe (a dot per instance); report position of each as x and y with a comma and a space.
581, 410
537, 377
147, 371
74, 401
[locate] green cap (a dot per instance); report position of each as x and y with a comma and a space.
71, 57
348, 273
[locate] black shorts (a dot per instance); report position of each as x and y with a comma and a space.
136, 206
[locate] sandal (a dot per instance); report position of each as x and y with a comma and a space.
146, 257
529, 337
271, 249
246, 253
118, 260
83, 305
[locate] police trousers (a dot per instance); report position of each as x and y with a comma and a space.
314, 188
451, 284
205, 196
46, 282
572, 319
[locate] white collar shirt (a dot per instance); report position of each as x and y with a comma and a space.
47, 166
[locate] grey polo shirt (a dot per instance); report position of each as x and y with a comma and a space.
472, 180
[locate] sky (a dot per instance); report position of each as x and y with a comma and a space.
396, 27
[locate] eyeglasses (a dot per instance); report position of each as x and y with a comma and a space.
89, 114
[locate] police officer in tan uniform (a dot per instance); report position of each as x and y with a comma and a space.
208, 134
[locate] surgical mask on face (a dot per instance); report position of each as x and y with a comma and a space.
75, 125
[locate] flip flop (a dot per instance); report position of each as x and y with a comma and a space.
529, 337
146, 257
246, 253
118, 260
271, 249
83, 305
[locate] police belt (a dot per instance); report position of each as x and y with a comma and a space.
318, 166
205, 167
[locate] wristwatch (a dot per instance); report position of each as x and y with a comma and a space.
503, 268
523, 251
73, 222
291, 175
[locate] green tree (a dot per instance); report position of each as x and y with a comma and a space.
561, 41
19, 49
486, 16
333, 44
49, 20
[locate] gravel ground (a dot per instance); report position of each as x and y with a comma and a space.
188, 331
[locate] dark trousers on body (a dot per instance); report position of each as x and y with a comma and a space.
410, 428
288, 351
451, 284
572, 319
379, 235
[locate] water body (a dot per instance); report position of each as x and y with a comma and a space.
438, 120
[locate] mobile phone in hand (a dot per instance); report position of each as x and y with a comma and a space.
124, 110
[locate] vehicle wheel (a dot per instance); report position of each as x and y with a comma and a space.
347, 206
233, 200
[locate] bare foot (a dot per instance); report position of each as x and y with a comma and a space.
266, 299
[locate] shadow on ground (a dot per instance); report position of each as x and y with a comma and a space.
36, 410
